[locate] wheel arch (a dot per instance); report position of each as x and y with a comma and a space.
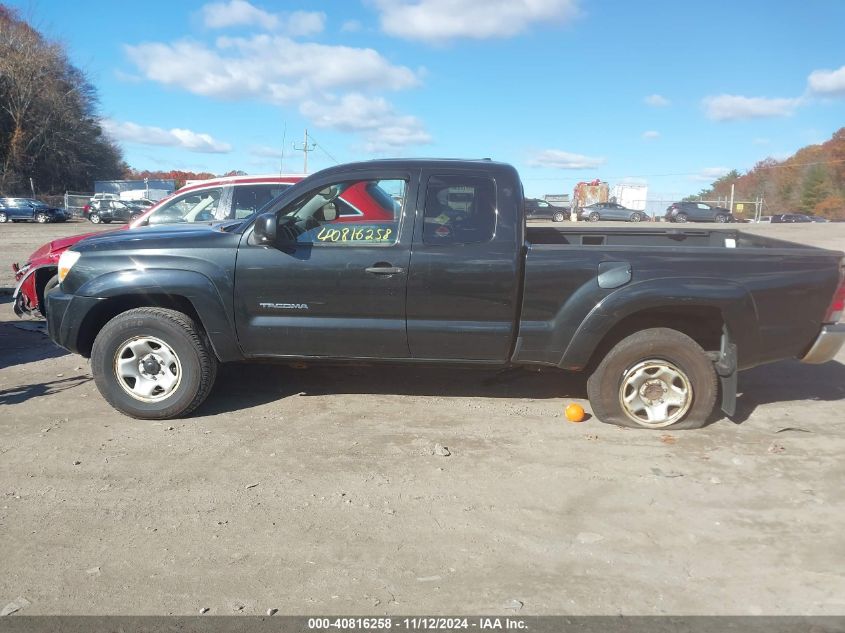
699, 308
189, 292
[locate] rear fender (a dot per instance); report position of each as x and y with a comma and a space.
733, 301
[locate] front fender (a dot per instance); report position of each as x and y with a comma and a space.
734, 302
193, 286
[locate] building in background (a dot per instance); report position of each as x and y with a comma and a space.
136, 189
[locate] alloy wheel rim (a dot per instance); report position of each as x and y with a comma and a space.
655, 393
147, 369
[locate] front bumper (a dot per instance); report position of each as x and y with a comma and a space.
827, 344
65, 316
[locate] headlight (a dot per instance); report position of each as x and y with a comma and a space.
66, 262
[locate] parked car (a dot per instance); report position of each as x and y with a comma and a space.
611, 211
218, 199
662, 319
697, 212
107, 210
536, 209
795, 218
30, 210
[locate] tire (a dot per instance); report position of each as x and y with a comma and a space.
134, 217
647, 360
42, 218
181, 361
52, 282
558, 217
3, 217
594, 217
636, 217
94, 218
721, 218
681, 217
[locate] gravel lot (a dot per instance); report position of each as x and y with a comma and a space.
327, 490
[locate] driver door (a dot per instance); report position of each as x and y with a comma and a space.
332, 286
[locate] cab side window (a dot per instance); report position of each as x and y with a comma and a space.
459, 210
348, 213
194, 206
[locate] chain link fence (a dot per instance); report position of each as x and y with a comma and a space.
75, 201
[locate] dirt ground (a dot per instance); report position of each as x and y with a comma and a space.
328, 491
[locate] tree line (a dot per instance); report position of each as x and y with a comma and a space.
810, 181
49, 127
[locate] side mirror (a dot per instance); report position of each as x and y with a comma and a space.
265, 228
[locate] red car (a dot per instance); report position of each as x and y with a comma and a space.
229, 198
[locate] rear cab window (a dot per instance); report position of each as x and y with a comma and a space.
459, 210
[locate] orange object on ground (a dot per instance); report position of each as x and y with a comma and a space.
575, 412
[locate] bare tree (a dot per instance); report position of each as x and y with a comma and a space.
49, 130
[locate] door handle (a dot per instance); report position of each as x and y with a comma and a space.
384, 270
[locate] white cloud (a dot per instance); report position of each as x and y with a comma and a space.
651, 135
709, 174
565, 160
827, 83
657, 101
444, 20
332, 85
351, 26
220, 15
267, 67
736, 107
383, 128
176, 137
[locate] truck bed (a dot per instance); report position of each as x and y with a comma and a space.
771, 293
652, 236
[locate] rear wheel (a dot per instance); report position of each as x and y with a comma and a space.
3, 217
558, 217
681, 217
654, 379
94, 218
153, 363
594, 217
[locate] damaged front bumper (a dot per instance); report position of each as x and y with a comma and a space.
827, 344
25, 291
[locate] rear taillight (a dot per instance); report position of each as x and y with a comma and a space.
837, 305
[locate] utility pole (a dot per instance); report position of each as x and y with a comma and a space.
731, 208
305, 148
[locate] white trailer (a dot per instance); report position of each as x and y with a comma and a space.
630, 196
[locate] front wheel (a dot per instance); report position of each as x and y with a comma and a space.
654, 379
42, 218
721, 218
636, 217
153, 364
594, 217
558, 217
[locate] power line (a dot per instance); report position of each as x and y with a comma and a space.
325, 151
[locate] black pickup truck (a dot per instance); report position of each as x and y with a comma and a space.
431, 262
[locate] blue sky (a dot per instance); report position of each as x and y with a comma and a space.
665, 92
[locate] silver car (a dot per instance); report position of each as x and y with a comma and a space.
611, 211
